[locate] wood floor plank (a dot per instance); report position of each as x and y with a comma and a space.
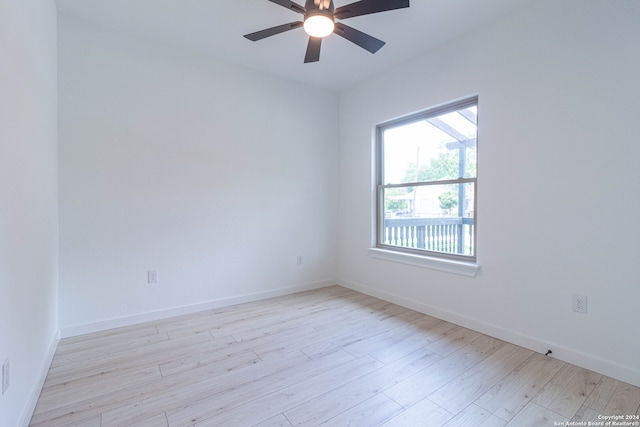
469, 386
230, 357
90, 358
159, 420
568, 390
166, 389
279, 339
396, 328
518, 388
180, 400
245, 323
273, 348
423, 413
91, 387
100, 352
586, 414
601, 393
193, 322
339, 340
625, 400
323, 407
374, 310
425, 382
405, 341
270, 404
198, 410
182, 333
475, 416
244, 319
372, 412
67, 413
74, 344
268, 328
451, 339
133, 331
534, 415
315, 295
328, 356
89, 422
277, 421
135, 359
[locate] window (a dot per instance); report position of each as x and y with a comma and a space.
426, 182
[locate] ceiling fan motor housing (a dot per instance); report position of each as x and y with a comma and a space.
318, 12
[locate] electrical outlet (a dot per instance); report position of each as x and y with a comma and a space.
152, 276
579, 303
5, 376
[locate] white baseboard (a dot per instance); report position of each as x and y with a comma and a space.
42, 376
605, 367
76, 330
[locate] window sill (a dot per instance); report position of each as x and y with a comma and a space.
439, 264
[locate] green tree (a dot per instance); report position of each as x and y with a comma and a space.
448, 200
444, 166
395, 204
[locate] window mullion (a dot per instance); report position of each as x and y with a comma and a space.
425, 183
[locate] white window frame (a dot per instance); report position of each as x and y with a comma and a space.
443, 261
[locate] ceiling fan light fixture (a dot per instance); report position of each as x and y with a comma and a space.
319, 24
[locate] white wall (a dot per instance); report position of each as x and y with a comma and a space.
557, 180
28, 200
216, 176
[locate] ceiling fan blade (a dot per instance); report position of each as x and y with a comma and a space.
366, 7
313, 50
290, 5
259, 35
363, 40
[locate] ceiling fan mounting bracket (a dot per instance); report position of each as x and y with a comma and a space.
315, 5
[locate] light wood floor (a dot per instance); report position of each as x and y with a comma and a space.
330, 356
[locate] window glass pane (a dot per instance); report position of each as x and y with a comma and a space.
438, 218
438, 148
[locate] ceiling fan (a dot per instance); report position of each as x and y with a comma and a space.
319, 22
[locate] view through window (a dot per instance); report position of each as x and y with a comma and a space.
427, 177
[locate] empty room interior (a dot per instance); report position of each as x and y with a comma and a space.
200, 229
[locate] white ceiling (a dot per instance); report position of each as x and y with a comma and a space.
216, 27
